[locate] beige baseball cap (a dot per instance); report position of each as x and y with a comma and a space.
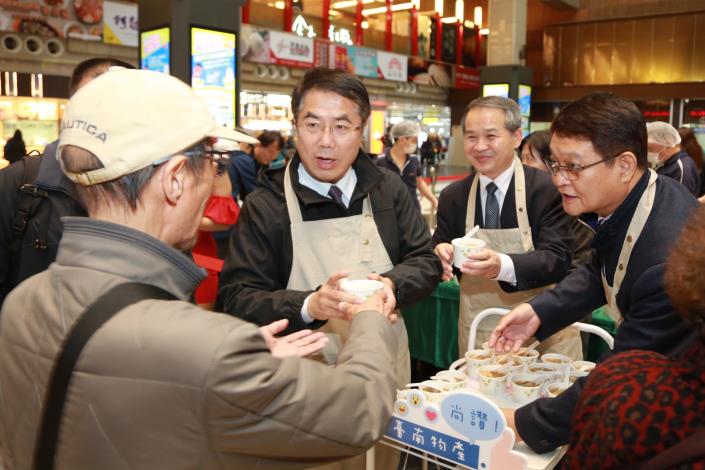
130, 119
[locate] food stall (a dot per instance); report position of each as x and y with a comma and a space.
37, 118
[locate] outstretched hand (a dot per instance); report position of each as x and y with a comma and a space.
515, 328
301, 343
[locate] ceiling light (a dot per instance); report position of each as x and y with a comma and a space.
279, 5
485, 32
449, 19
477, 16
349, 3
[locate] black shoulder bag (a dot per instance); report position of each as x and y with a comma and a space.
99, 312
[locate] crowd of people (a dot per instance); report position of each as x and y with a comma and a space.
107, 358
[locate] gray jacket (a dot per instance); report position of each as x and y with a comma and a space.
165, 384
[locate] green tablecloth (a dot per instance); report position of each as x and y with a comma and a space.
432, 325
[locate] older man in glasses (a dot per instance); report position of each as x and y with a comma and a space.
599, 165
528, 236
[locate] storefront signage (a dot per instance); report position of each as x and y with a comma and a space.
213, 72
154, 50
81, 19
392, 66
362, 62
289, 49
466, 78
120, 23
301, 28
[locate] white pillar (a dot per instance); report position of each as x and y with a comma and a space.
507, 25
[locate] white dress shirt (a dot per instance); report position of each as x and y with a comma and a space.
347, 185
507, 273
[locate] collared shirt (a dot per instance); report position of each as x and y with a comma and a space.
346, 184
408, 173
507, 272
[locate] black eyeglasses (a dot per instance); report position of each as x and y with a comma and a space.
219, 158
572, 171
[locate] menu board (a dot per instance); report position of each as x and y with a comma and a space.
496, 89
213, 72
154, 50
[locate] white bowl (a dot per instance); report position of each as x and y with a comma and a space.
553, 389
582, 366
473, 364
521, 392
492, 386
361, 288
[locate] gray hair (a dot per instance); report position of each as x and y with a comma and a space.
122, 193
512, 114
404, 129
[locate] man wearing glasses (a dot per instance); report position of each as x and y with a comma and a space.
330, 214
599, 164
529, 238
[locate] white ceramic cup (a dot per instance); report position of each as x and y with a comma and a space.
513, 365
549, 369
553, 389
361, 288
434, 390
527, 387
455, 378
490, 385
477, 358
582, 366
463, 247
526, 356
562, 360
576, 374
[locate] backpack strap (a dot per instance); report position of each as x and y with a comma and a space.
95, 316
28, 199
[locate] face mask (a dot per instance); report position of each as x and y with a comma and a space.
411, 148
653, 158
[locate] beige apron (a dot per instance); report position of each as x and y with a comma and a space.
641, 214
478, 293
322, 247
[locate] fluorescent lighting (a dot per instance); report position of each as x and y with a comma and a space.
459, 9
477, 16
449, 19
439, 7
416, 3
365, 25
349, 3
485, 32
469, 24
279, 5
402, 6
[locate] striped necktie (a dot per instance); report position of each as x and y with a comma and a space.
491, 207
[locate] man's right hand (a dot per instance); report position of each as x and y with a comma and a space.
515, 328
327, 301
444, 251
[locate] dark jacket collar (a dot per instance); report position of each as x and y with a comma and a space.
50, 175
622, 216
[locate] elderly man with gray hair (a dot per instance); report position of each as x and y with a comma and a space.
400, 159
104, 362
528, 236
668, 159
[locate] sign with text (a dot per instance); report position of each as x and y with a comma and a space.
154, 50
120, 23
213, 72
363, 61
466, 78
392, 66
290, 49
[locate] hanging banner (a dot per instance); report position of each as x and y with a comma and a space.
254, 44
290, 49
425, 72
155, 50
363, 61
392, 66
466, 78
120, 23
322, 52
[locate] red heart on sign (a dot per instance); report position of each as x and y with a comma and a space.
431, 415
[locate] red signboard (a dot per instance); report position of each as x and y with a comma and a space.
466, 78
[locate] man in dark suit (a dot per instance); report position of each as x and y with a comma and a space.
599, 164
528, 236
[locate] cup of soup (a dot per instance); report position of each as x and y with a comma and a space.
526, 356
475, 359
434, 390
361, 288
455, 378
560, 359
582, 366
463, 247
527, 387
492, 380
553, 389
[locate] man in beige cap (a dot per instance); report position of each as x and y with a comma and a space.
667, 159
103, 361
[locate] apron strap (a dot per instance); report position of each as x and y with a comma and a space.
643, 210
292, 202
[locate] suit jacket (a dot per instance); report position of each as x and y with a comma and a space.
649, 320
550, 227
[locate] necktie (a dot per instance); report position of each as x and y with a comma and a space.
491, 207
336, 194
